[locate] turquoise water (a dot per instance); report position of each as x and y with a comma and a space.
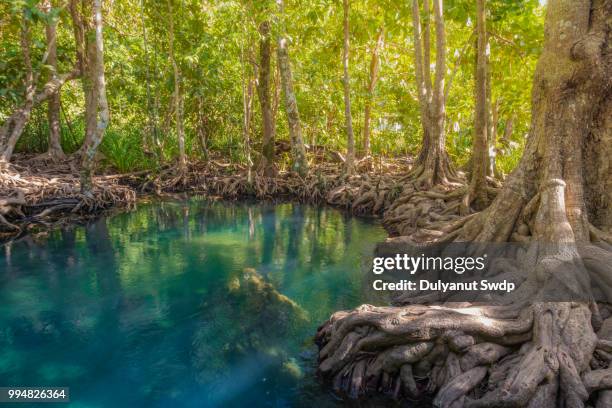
181, 304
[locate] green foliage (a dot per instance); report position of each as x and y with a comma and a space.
216, 48
122, 149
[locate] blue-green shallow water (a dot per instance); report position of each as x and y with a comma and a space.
153, 308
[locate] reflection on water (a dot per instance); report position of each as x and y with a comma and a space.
181, 304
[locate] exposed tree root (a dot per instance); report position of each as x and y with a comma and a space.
380, 189
367, 193
32, 197
435, 215
526, 352
51, 189
474, 357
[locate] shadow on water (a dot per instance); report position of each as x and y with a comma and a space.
181, 304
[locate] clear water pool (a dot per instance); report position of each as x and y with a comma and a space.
181, 304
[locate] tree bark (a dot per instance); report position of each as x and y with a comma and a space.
177, 95
432, 165
427, 51
13, 126
477, 193
374, 68
530, 352
422, 89
202, 128
53, 104
349, 165
492, 133
89, 79
300, 165
263, 91
151, 135
98, 102
248, 85
508, 129
439, 105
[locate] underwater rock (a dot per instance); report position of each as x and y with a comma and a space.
256, 321
263, 298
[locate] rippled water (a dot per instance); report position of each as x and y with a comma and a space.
181, 304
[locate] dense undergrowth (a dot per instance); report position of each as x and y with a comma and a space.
124, 147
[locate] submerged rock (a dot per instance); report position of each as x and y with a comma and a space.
256, 322
263, 298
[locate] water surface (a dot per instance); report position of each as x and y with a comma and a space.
181, 304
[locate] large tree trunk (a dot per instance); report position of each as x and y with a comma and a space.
98, 103
432, 165
533, 352
374, 68
298, 151
263, 91
349, 165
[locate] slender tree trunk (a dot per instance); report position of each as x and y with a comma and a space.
151, 135
458, 63
350, 136
427, 50
422, 89
424, 46
492, 113
439, 105
276, 90
177, 96
300, 165
480, 158
13, 126
492, 135
508, 129
53, 104
100, 104
374, 68
248, 85
432, 165
90, 87
202, 127
88, 57
263, 91
248, 114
